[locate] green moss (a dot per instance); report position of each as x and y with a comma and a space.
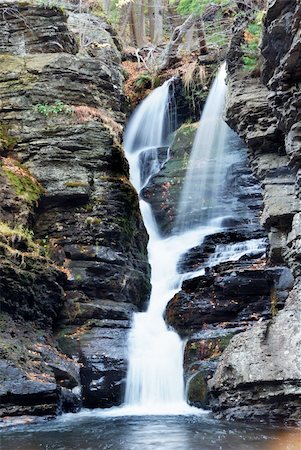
250, 48
75, 184
24, 185
197, 392
12, 235
7, 142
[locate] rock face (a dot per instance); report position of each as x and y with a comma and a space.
63, 172
163, 190
259, 374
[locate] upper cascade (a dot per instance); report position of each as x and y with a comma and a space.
148, 134
200, 200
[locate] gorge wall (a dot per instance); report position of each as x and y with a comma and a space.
259, 375
241, 319
73, 264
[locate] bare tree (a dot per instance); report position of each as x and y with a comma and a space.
137, 23
171, 49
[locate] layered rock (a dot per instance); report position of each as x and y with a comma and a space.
259, 373
61, 119
163, 190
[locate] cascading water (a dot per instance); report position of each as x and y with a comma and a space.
155, 375
199, 202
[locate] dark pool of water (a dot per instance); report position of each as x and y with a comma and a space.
91, 432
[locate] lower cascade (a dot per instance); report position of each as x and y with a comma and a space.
155, 381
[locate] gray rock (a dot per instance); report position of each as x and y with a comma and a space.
87, 217
260, 371
104, 358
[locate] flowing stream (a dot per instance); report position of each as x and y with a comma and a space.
208, 163
155, 375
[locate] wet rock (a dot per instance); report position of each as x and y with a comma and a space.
232, 296
63, 112
163, 190
251, 380
197, 390
22, 395
33, 285
70, 401
79, 308
199, 257
104, 358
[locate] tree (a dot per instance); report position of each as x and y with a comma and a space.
176, 38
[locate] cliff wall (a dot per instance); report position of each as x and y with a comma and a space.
259, 375
73, 264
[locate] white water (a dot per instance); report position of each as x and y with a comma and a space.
199, 202
230, 253
155, 382
233, 252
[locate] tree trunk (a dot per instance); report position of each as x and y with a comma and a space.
189, 39
151, 18
201, 36
158, 29
171, 49
125, 17
106, 5
137, 24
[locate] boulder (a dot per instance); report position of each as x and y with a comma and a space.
258, 376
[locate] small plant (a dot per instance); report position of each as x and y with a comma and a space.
93, 221
56, 4
57, 107
252, 37
17, 235
143, 80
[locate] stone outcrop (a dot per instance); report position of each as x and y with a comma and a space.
163, 190
259, 374
84, 271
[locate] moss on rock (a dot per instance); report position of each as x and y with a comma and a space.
21, 180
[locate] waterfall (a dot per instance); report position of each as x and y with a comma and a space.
200, 200
155, 382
